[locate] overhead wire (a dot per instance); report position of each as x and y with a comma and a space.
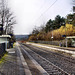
42, 6
46, 10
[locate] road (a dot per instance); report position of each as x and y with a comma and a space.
44, 62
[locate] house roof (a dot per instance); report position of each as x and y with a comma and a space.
5, 36
70, 37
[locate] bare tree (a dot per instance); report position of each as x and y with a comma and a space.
10, 21
2, 7
7, 18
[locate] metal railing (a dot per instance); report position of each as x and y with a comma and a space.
56, 43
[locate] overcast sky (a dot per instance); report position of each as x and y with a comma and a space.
31, 13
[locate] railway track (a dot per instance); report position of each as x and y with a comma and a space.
67, 58
46, 64
66, 63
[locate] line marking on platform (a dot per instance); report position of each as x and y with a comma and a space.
11, 52
26, 68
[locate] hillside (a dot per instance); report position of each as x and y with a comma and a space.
21, 37
69, 30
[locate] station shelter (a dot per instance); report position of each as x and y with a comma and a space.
70, 41
5, 39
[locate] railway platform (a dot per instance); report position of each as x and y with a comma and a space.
11, 63
14, 63
68, 50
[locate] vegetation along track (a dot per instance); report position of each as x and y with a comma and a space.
64, 62
46, 64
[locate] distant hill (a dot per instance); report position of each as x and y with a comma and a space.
21, 37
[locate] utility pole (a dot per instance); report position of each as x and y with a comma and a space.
52, 36
73, 9
65, 35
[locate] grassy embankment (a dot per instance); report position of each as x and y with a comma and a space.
68, 30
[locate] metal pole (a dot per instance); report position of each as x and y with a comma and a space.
52, 37
6, 43
66, 42
65, 36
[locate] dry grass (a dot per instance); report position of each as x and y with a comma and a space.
57, 34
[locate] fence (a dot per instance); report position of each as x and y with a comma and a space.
2, 49
56, 43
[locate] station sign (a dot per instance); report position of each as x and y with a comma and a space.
63, 35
